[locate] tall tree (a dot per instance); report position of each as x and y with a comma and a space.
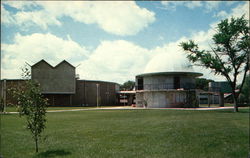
32, 105
229, 55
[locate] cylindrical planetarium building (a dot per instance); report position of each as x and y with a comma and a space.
166, 89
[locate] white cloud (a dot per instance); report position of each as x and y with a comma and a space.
32, 48
120, 18
193, 4
171, 5
6, 16
210, 5
115, 61
240, 10
222, 14
20, 5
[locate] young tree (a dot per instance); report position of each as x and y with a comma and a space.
32, 105
229, 56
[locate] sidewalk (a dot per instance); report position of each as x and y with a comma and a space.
132, 108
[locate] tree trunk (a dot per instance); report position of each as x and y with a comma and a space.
235, 104
221, 99
36, 140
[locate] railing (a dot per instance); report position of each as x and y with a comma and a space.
165, 86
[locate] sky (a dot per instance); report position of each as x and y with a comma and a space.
110, 40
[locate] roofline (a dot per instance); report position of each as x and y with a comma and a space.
97, 81
42, 61
64, 61
196, 74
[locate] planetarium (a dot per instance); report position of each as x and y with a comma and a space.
172, 88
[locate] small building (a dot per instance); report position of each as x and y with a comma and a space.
173, 89
221, 87
208, 97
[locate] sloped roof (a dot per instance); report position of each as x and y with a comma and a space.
43, 61
64, 61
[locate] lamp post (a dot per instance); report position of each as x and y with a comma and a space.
4, 95
97, 95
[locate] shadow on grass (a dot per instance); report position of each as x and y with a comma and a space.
53, 153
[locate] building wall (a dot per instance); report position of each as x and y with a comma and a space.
86, 93
160, 90
166, 82
157, 80
204, 99
187, 80
58, 80
59, 99
5, 92
166, 99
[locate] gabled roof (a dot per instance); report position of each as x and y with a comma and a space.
64, 61
43, 61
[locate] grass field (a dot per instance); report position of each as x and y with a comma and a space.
131, 133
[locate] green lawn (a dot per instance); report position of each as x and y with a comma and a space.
132, 133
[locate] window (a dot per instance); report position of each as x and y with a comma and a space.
176, 82
140, 83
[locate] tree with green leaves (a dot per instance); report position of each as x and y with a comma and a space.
32, 105
229, 55
128, 85
202, 83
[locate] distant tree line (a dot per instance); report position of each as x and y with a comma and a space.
127, 86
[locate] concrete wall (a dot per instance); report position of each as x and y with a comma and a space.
86, 93
166, 99
158, 80
166, 82
58, 80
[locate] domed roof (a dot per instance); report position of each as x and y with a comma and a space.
169, 62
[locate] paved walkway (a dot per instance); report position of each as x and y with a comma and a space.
133, 108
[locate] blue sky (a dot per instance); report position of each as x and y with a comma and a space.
112, 41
